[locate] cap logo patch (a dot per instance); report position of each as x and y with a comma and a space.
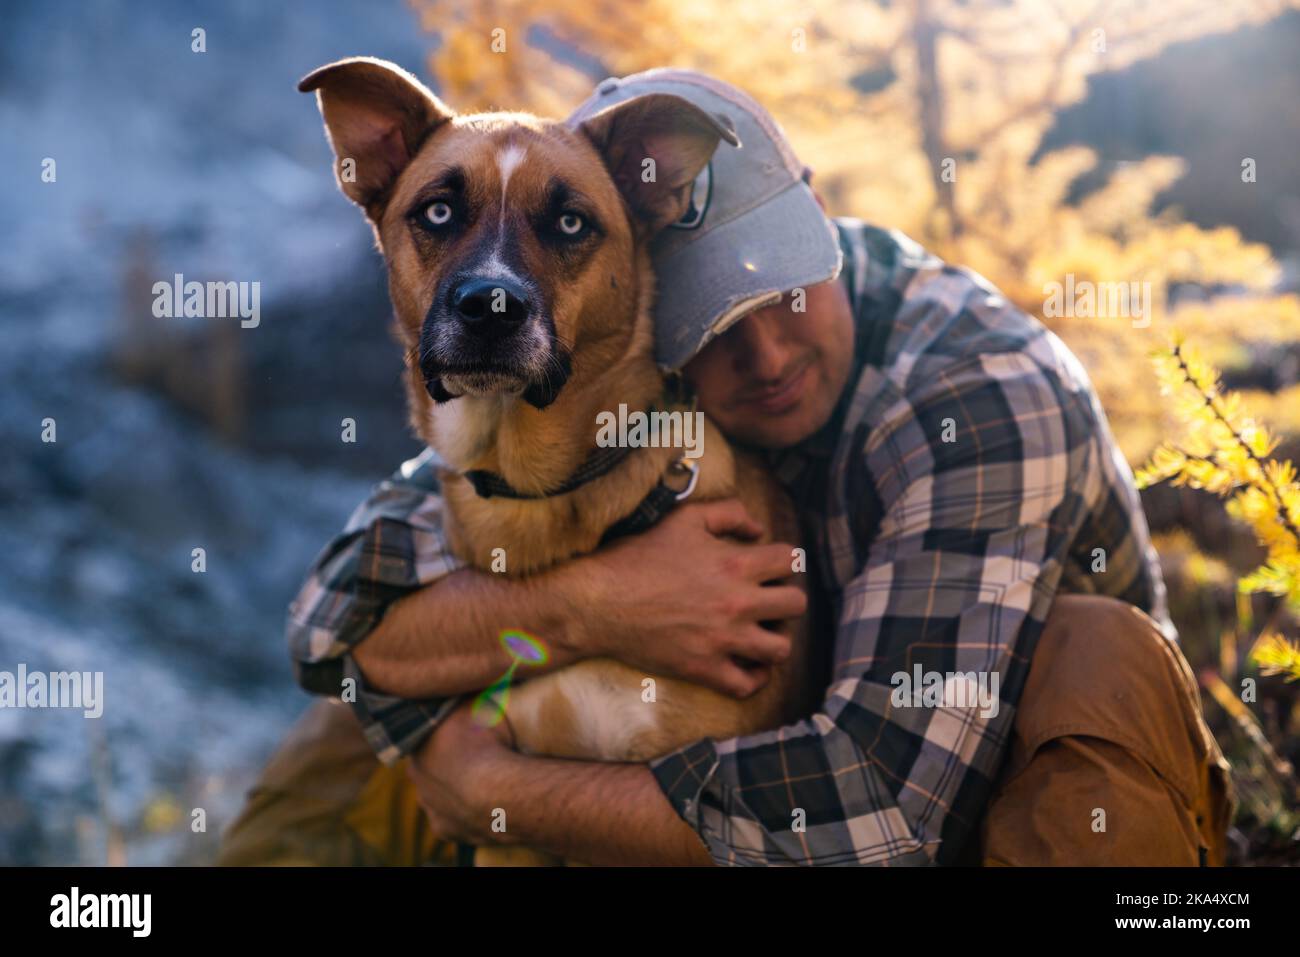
701, 195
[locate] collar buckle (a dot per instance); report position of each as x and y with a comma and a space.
692, 468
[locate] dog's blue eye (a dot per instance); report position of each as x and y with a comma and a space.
438, 213
571, 224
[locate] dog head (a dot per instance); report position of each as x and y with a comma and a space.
512, 242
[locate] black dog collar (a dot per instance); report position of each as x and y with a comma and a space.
597, 463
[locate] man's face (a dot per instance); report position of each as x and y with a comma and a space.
773, 378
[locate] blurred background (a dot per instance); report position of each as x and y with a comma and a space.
1106, 140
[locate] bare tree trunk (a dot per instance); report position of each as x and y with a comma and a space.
929, 94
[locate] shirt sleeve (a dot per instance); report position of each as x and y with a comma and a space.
978, 479
392, 545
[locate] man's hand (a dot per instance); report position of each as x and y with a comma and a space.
454, 772
681, 599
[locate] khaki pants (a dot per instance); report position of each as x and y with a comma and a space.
324, 799
1110, 763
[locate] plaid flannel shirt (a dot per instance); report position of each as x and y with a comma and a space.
966, 475
392, 545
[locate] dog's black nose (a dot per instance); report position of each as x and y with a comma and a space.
490, 307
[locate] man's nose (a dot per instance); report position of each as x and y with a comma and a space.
761, 350
490, 307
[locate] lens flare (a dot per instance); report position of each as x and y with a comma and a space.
524, 648
490, 705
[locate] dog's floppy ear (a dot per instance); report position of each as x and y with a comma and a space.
376, 116
654, 147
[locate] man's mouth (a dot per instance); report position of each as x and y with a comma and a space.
783, 396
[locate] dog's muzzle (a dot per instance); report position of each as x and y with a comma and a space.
487, 335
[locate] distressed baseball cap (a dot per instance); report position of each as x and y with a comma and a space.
753, 230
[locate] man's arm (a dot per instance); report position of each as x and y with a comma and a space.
598, 813
624, 819
406, 656
620, 602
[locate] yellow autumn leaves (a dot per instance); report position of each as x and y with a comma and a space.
1223, 450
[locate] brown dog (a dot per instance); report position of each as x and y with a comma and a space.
518, 269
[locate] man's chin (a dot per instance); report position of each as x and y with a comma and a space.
771, 435
776, 432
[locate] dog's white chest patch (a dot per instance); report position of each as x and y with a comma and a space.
466, 426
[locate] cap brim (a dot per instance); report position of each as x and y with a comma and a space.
785, 243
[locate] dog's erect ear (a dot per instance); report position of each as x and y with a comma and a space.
654, 147
376, 115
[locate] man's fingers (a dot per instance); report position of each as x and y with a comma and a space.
779, 602
742, 682
728, 517
768, 562
758, 644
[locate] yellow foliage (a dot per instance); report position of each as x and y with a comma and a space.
1277, 656
875, 96
1224, 450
